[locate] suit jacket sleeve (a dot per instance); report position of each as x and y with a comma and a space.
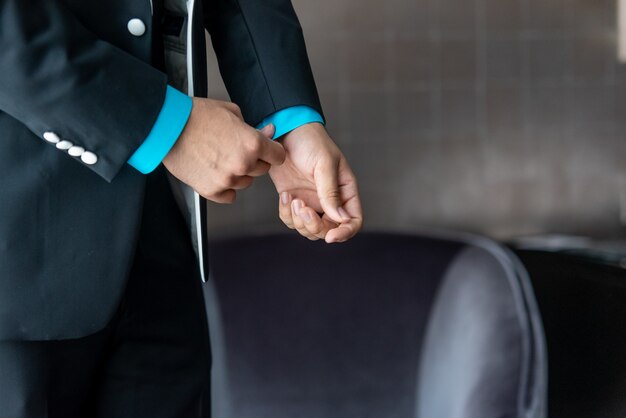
55, 75
262, 56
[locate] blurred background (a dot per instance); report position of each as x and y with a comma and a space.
503, 117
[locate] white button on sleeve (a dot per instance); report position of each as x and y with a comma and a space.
64, 145
136, 27
89, 158
76, 151
51, 137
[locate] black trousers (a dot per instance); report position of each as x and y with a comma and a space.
151, 361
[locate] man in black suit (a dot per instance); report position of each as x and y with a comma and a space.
101, 310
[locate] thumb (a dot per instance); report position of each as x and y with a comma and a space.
268, 130
326, 182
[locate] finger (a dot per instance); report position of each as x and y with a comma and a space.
270, 151
351, 208
284, 210
298, 222
260, 169
351, 197
344, 231
226, 196
327, 184
240, 182
268, 131
314, 224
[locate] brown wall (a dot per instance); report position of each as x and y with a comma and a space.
499, 116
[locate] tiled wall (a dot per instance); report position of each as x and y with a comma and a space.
501, 116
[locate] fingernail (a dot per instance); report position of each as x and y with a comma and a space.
284, 198
297, 204
267, 129
306, 216
345, 215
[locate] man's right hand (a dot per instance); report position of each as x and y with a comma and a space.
218, 153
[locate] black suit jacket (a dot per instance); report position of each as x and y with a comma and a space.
68, 229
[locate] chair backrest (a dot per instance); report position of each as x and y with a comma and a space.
484, 351
303, 329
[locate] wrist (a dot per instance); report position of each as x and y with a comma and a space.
306, 130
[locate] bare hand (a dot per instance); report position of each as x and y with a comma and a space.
316, 179
218, 153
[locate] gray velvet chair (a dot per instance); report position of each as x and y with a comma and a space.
385, 326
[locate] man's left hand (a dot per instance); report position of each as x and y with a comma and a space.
318, 193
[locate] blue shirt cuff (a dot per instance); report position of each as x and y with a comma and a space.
288, 119
166, 130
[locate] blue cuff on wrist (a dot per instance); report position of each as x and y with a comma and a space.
288, 119
166, 130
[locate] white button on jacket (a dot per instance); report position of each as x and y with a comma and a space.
76, 151
64, 145
89, 158
51, 137
136, 27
